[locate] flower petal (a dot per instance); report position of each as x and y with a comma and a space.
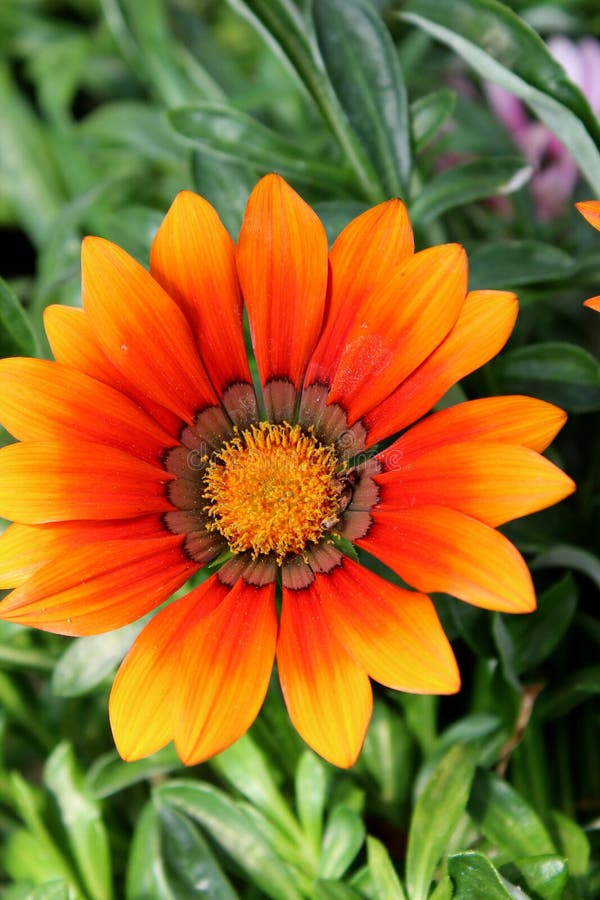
193, 258
98, 587
42, 400
395, 329
26, 548
483, 327
141, 330
77, 480
514, 420
491, 481
363, 258
282, 265
434, 548
327, 693
224, 671
395, 634
590, 210
593, 303
143, 709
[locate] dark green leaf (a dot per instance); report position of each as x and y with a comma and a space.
344, 836
564, 374
464, 183
475, 877
514, 263
16, 334
567, 557
581, 685
544, 876
435, 817
428, 114
335, 215
226, 185
362, 64
146, 878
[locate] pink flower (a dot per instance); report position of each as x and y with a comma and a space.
555, 170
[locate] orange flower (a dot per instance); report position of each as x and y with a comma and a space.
145, 455
590, 210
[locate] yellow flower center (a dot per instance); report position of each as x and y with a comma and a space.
272, 489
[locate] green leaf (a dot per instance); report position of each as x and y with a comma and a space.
109, 774
82, 819
388, 754
501, 47
145, 877
344, 836
363, 66
383, 875
225, 132
464, 183
190, 867
311, 788
226, 185
564, 374
544, 876
513, 263
435, 817
16, 334
573, 843
138, 126
505, 819
475, 877
428, 114
230, 826
88, 661
336, 214
564, 556
580, 686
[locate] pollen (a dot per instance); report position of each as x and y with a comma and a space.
272, 489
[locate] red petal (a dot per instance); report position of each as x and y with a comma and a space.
327, 693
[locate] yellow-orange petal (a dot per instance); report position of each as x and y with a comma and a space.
73, 344
98, 587
26, 548
398, 327
513, 419
141, 330
193, 258
593, 303
590, 210
42, 400
491, 481
224, 671
327, 693
393, 633
364, 257
483, 327
60, 480
282, 266
143, 700
434, 548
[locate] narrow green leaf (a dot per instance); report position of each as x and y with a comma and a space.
513, 263
389, 755
82, 819
362, 64
475, 877
573, 843
139, 126
567, 557
333, 890
16, 334
383, 874
145, 877
344, 836
109, 774
226, 185
311, 788
436, 814
579, 686
464, 183
428, 114
505, 819
226, 132
564, 374
501, 47
88, 661
545, 877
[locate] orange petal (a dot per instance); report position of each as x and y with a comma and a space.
590, 210
73, 344
363, 258
327, 693
26, 548
513, 420
141, 330
142, 707
41, 401
98, 587
395, 634
593, 303
53, 482
434, 548
490, 481
224, 671
398, 327
193, 258
282, 265
483, 327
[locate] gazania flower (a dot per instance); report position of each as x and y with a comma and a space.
590, 210
147, 453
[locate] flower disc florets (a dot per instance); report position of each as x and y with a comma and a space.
272, 489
